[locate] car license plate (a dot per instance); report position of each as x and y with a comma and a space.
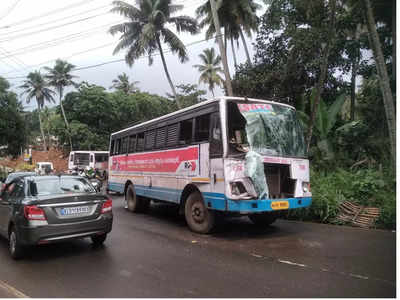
68, 211
276, 205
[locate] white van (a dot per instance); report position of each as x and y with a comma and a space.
44, 167
93, 159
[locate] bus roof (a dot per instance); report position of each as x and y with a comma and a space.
217, 99
88, 151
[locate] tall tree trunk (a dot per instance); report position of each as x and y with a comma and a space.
323, 70
60, 91
41, 130
384, 79
225, 42
234, 54
221, 48
394, 40
49, 138
353, 89
354, 69
167, 73
245, 46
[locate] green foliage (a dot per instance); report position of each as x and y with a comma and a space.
211, 69
188, 95
367, 187
12, 125
123, 84
146, 25
25, 167
96, 113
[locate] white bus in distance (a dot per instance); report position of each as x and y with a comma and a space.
229, 155
79, 160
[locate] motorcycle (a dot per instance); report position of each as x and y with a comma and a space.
89, 174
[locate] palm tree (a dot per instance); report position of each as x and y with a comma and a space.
210, 69
235, 16
60, 77
146, 27
35, 86
122, 84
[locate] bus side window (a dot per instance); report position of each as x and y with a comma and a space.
124, 147
117, 148
172, 135
185, 135
216, 137
71, 157
202, 129
161, 135
132, 144
150, 139
91, 158
140, 142
112, 148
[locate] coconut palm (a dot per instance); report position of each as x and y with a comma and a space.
235, 17
35, 86
60, 77
146, 28
122, 84
210, 69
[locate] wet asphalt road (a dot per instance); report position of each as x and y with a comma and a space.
155, 255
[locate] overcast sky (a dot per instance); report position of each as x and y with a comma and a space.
33, 34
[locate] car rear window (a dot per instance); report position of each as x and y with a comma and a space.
56, 185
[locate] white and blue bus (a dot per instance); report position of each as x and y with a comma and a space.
231, 155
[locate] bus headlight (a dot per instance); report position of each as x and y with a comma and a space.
242, 188
306, 187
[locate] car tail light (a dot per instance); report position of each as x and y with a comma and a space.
107, 206
34, 213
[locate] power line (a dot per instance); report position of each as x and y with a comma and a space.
10, 9
64, 58
50, 28
62, 9
52, 22
56, 42
121, 60
13, 59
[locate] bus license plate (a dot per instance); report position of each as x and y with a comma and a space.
68, 211
276, 205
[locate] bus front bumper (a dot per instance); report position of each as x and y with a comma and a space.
263, 205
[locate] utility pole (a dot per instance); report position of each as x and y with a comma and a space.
221, 48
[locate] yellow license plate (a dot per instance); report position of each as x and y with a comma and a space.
276, 205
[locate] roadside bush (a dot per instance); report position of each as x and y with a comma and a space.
25, 167
367, 187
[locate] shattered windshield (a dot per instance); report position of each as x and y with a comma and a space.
272, 129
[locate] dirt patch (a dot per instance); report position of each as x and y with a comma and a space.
60, 162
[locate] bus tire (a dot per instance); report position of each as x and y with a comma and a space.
135, 203
198, 217
264, 219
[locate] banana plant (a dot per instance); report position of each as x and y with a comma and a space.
325, 120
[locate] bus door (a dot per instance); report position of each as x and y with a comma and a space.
71, 161
216, 155
91, 160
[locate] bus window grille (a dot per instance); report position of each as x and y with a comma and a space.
160, 141
173, 131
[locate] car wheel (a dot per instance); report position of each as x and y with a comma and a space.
98, 240
264, 219
15, 247
198, 217
135, 203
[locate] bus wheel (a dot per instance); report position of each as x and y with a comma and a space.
263, 219
133, 202
198, 217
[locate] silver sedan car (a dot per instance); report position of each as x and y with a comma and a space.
43, 209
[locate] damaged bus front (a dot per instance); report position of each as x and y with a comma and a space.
265, 165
